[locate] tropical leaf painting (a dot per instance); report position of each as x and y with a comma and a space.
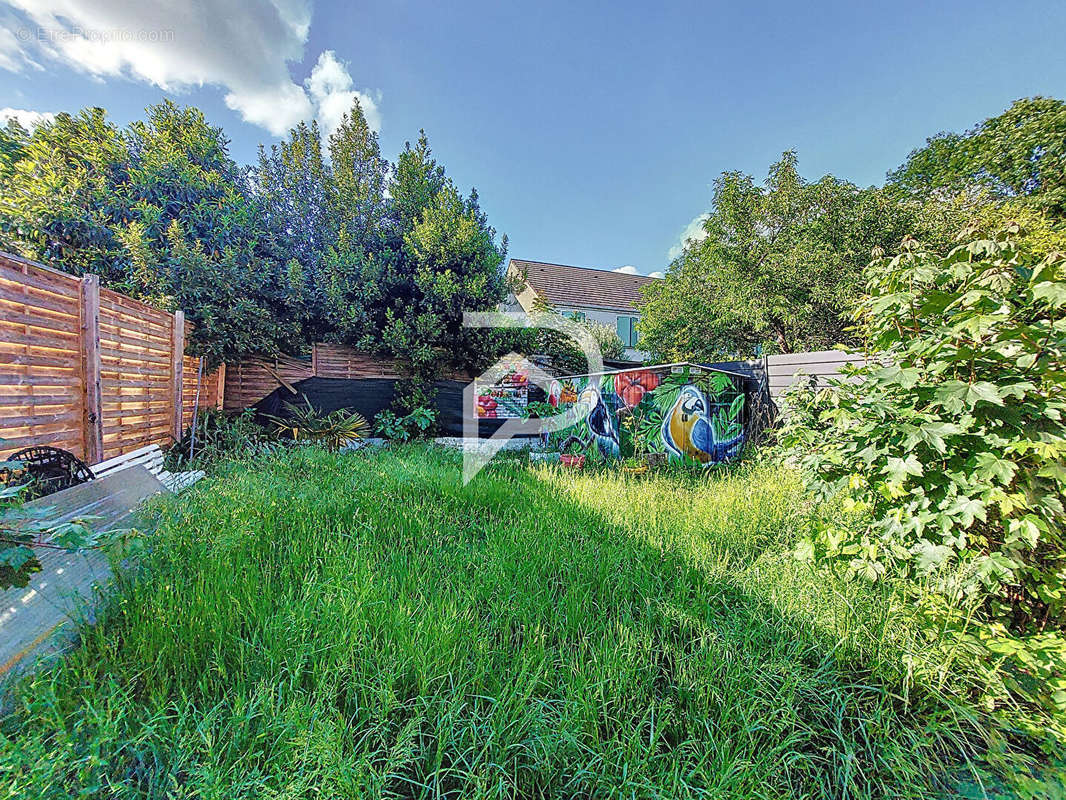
726, 420
724, 410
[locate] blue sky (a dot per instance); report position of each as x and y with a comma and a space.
593, 131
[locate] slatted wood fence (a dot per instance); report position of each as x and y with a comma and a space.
250, 381
338, 361
88, 369
784, 370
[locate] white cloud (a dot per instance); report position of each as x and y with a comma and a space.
11, 55
26, 118
693, 232
627, 270
657, 274
276, 108
243, 46
330, 87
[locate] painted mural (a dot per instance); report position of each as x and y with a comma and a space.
508, 397
688, 413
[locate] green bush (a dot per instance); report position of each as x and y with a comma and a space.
946, 453
419, 424
218, 435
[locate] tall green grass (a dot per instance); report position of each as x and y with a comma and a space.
361, 625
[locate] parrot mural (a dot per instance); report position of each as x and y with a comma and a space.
687, 430
643, 412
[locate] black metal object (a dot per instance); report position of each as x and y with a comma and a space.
44, 470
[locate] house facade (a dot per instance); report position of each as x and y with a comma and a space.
603, 296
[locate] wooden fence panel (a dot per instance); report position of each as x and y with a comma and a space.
41, 384
250, 381
199, 388
137, 396
88, 369
338, 361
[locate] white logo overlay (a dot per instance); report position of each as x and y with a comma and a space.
478, 452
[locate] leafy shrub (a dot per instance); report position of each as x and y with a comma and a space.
538, 409
218, 434
947, 453
303, 423
416, 425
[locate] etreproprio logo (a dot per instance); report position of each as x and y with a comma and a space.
475, 457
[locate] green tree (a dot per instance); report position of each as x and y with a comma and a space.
1020, 153
359, 173
13, 141
366, 242
294, 190
778, 269
417, 180
161, 212
197, 242
63, 194
437, 258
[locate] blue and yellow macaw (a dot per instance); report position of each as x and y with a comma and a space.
688, 431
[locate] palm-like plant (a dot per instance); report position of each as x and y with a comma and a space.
334, 430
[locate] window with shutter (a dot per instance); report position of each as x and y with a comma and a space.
627, 330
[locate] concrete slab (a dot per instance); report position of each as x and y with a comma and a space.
39, 618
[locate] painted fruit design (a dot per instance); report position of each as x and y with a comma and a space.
632, 386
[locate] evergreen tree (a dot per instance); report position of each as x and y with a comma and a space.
295, 191
435, 258
359, 174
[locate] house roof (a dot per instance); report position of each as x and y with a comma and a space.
580, 286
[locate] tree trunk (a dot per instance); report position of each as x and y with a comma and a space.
779, 334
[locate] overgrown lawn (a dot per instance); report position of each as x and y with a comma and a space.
361, 625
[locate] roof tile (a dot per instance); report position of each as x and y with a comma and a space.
581, 286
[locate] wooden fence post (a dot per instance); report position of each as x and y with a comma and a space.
177, 357
92, 416
220, 387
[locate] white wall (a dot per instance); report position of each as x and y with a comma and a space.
524, 301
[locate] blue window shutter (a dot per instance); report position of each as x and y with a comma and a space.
625, 325
634, 333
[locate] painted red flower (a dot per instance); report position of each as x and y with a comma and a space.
561, 394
